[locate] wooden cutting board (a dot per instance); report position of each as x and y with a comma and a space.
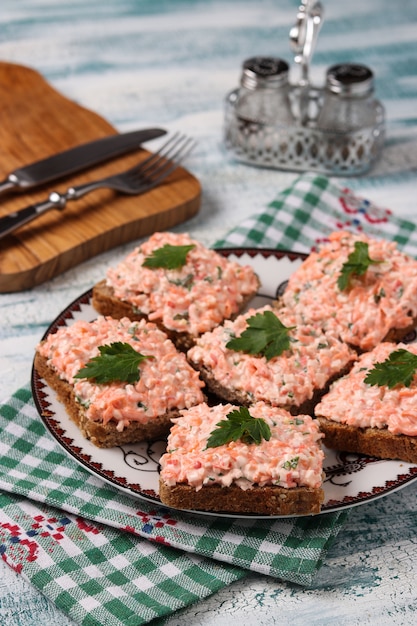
36, 122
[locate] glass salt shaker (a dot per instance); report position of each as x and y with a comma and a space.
349, 104
258, 113
264, 93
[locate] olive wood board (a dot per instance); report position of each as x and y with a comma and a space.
37, 122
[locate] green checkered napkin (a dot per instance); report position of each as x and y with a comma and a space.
104, 557
305, 213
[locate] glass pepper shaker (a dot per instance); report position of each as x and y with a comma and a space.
351, 120
349, 104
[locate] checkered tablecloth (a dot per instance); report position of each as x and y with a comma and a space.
104, 557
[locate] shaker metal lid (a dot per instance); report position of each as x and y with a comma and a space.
264, 72
350, 79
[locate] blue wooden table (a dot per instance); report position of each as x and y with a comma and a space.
140, 63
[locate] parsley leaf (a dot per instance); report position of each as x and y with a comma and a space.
398, 368
357, 263
169, 257
265, 336
117, 361
239, 424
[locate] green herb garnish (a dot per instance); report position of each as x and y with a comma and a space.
186, 282
265, 336
398, 368
292, 464
239, 424
356, 265
168, 257
117, 361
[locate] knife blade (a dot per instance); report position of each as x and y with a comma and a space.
76, 159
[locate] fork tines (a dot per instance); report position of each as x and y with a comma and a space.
167, 158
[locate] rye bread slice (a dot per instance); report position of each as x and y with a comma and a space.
377, 303
258, 500
101, 435
370, 416
106, 303
280, 473
237, 396
294, 379
377, 442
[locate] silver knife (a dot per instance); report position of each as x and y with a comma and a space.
76, 159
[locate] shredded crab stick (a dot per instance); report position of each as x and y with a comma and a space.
356, 403
194, 298
291, 458
382, 299
285, 380
167, 382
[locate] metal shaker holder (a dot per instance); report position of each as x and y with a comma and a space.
337, 129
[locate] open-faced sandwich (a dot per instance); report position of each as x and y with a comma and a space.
362, 288
176, 282
120, 381
324, 349
256, 459
373, 409
281, 359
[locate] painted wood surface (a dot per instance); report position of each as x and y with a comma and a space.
142, 63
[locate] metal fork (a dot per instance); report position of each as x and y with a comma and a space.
134, 181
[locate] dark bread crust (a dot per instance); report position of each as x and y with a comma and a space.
269, 500
378, 442
396, 335
236, 396
101, 435
105, 303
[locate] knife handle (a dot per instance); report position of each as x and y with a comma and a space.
10, 222
8, 183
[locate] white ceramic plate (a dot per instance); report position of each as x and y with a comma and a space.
351, 479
